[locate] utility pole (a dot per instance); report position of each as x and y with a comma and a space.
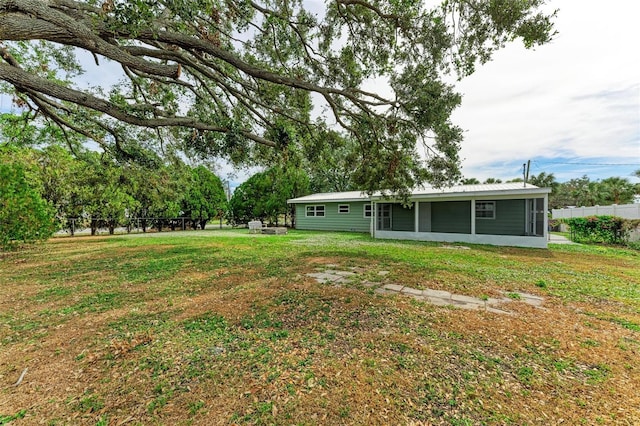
525, 172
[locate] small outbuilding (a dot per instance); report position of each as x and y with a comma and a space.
509, 214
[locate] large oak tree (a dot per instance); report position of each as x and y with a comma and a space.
217, 75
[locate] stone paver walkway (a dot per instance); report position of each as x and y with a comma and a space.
436, 297
559, 239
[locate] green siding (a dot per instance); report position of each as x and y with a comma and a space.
451, 217
402, 219
334, 221
510, 219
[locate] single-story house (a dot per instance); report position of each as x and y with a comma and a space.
509, 214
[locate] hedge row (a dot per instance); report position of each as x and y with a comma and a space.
600, 229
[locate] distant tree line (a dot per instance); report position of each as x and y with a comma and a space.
92, 189
44, 189
68, 186
579, 191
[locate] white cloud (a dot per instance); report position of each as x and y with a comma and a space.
575, 98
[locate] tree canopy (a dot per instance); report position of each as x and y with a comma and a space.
204, 197
215, 76
264, 195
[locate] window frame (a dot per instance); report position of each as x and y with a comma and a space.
484, 210
368, 207
340, 206
315, 209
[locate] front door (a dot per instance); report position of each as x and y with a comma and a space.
383, 214
535, 217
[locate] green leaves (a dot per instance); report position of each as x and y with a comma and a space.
226, 76
264, 195
204, 197
597, 229
24, 216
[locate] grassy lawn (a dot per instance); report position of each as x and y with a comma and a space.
223, 327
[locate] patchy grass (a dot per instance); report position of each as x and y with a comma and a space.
225, 327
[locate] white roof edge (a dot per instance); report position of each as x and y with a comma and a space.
426, 193
348, 196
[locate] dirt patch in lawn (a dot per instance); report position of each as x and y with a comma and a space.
199, 339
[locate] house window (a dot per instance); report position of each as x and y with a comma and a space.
314, 211
367, 210
343, 208
485, 209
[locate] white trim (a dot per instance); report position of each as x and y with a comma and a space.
348, 206
373, 218
545, 230
425, 194
493, 210
473, 216
364, 210
315, 210
527, 215
379, 205
496, 240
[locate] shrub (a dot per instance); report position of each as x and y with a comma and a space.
24, 216
598, 229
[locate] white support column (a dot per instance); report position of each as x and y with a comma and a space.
527, 216
473, 216
546, 216
373, 218
416, 224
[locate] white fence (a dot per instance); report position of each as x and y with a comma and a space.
627, 211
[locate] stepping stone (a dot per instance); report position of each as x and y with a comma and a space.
370, 284
383, 273
532, 299
468, 306
412, 291
393, 287
344, 273
466, 299
494, 301
438, 301
323, 277
437, 293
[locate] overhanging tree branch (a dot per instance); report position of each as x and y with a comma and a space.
244, 69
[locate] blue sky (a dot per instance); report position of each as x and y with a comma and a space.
572, 106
